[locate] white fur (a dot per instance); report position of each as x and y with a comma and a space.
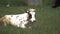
20, 20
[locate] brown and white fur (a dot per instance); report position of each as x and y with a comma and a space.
19, 20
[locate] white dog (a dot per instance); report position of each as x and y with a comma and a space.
19, 20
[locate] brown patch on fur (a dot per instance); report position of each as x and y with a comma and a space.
30, 16
4, 20
17, 16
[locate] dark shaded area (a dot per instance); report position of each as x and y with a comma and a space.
56, 4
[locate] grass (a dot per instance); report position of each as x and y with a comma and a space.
48, 20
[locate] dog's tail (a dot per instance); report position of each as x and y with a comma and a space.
5, 20
2, 19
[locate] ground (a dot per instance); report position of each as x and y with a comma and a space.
48, 20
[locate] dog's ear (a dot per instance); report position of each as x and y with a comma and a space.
27, 10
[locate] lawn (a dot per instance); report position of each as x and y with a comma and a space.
48, 20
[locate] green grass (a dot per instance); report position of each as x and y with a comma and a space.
48, 21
